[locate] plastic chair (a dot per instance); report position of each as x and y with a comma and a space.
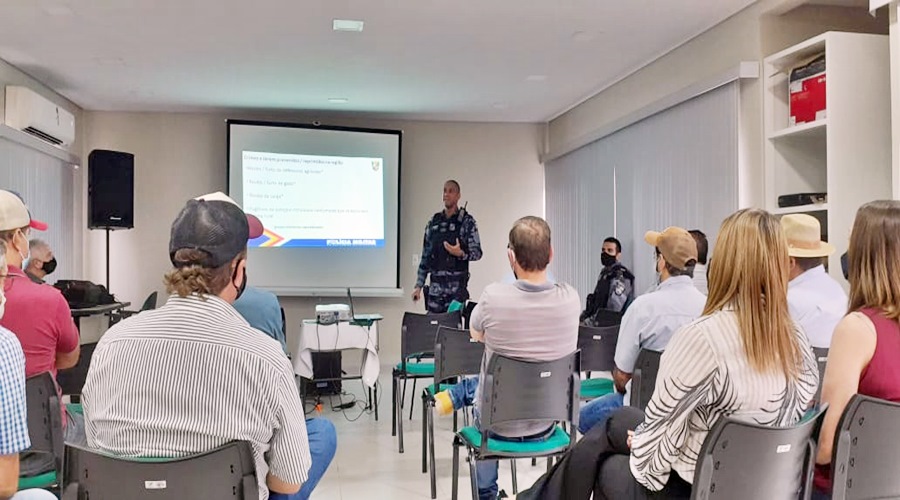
225, 472
456, 354
467, 314
71, 380
416, 343
45, 429
515, 390
643, 380
821, 354
745, 461
598, 352
866, 452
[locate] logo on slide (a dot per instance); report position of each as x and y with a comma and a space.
270, 239
376, 165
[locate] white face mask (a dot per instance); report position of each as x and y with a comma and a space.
27, 255
2, 304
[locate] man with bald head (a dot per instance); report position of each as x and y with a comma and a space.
41, 261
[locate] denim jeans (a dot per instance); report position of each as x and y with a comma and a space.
322, 445
598, 410
486, 471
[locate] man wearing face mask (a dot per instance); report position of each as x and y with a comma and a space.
653, 317
193, 375
38, 315
41, 261
615, 285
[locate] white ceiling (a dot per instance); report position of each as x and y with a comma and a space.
426, 59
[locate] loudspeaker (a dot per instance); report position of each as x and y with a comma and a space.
110, 190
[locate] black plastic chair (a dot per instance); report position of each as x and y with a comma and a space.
148, 305
740, 460
45, 429
821, 354
71, 380
643, 380
416, 343
606, 317
225, 472
598, 352
515, 390
866, 454
456, 355
467, 314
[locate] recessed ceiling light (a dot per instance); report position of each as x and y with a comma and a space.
338, 100
536, 78
347, 25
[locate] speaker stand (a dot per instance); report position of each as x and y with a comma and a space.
107, 258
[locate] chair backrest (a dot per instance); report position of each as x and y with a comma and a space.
745, 461
225, 472
467, 313
643, 380
71, 380
821, 354
598, 347
607, 317
456, 354
45, 427
419, 331
516, 390
866, 452
150, 302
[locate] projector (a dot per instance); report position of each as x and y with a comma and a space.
327, 314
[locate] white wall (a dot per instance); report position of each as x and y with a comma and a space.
178, 156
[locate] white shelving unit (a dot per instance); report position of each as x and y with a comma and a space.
848, 153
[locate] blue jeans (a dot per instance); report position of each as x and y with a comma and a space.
322, 445
597, 411
486, 471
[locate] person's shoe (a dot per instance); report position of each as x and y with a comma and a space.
502, 494
443, 404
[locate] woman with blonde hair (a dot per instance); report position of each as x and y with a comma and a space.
743, 358
865, 346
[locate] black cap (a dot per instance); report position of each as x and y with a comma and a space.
218, 228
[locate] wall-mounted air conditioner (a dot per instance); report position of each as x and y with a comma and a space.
30, 112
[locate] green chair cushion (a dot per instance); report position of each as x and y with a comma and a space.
420, 368
559, 439
40, 481
596, 387
75, 408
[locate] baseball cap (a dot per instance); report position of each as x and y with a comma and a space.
675, 244
214, 224
14, 214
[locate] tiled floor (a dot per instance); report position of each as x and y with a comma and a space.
368, 465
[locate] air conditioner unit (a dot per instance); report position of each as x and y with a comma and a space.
29, 112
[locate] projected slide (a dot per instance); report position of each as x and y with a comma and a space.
315, 201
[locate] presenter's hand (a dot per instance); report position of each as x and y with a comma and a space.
454, 250
417, 294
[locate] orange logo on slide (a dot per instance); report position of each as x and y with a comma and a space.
272, 239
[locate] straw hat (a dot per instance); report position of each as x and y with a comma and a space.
803, 234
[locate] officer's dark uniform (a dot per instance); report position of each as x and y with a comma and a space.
449, 275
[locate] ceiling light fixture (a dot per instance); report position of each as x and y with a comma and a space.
347, 25
338, 100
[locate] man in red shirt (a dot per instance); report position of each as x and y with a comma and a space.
37, 314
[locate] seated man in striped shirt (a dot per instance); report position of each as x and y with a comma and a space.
193, 374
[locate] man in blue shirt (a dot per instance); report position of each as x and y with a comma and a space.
261, 309
652, 318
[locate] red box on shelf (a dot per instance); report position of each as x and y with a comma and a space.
807, 91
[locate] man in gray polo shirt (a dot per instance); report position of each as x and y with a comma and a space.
530, 319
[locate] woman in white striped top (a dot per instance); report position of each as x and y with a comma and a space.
745, 358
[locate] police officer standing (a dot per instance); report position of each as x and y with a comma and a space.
451, 242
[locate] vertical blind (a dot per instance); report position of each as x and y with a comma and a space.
675, 168
47, 185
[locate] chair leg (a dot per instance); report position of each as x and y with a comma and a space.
455, 488
549, 463
375, 401
403, 394
412, 399
400, 418
533, 461
515, 477
394, 404
473, 474
431, 457
455, 421
424, 434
